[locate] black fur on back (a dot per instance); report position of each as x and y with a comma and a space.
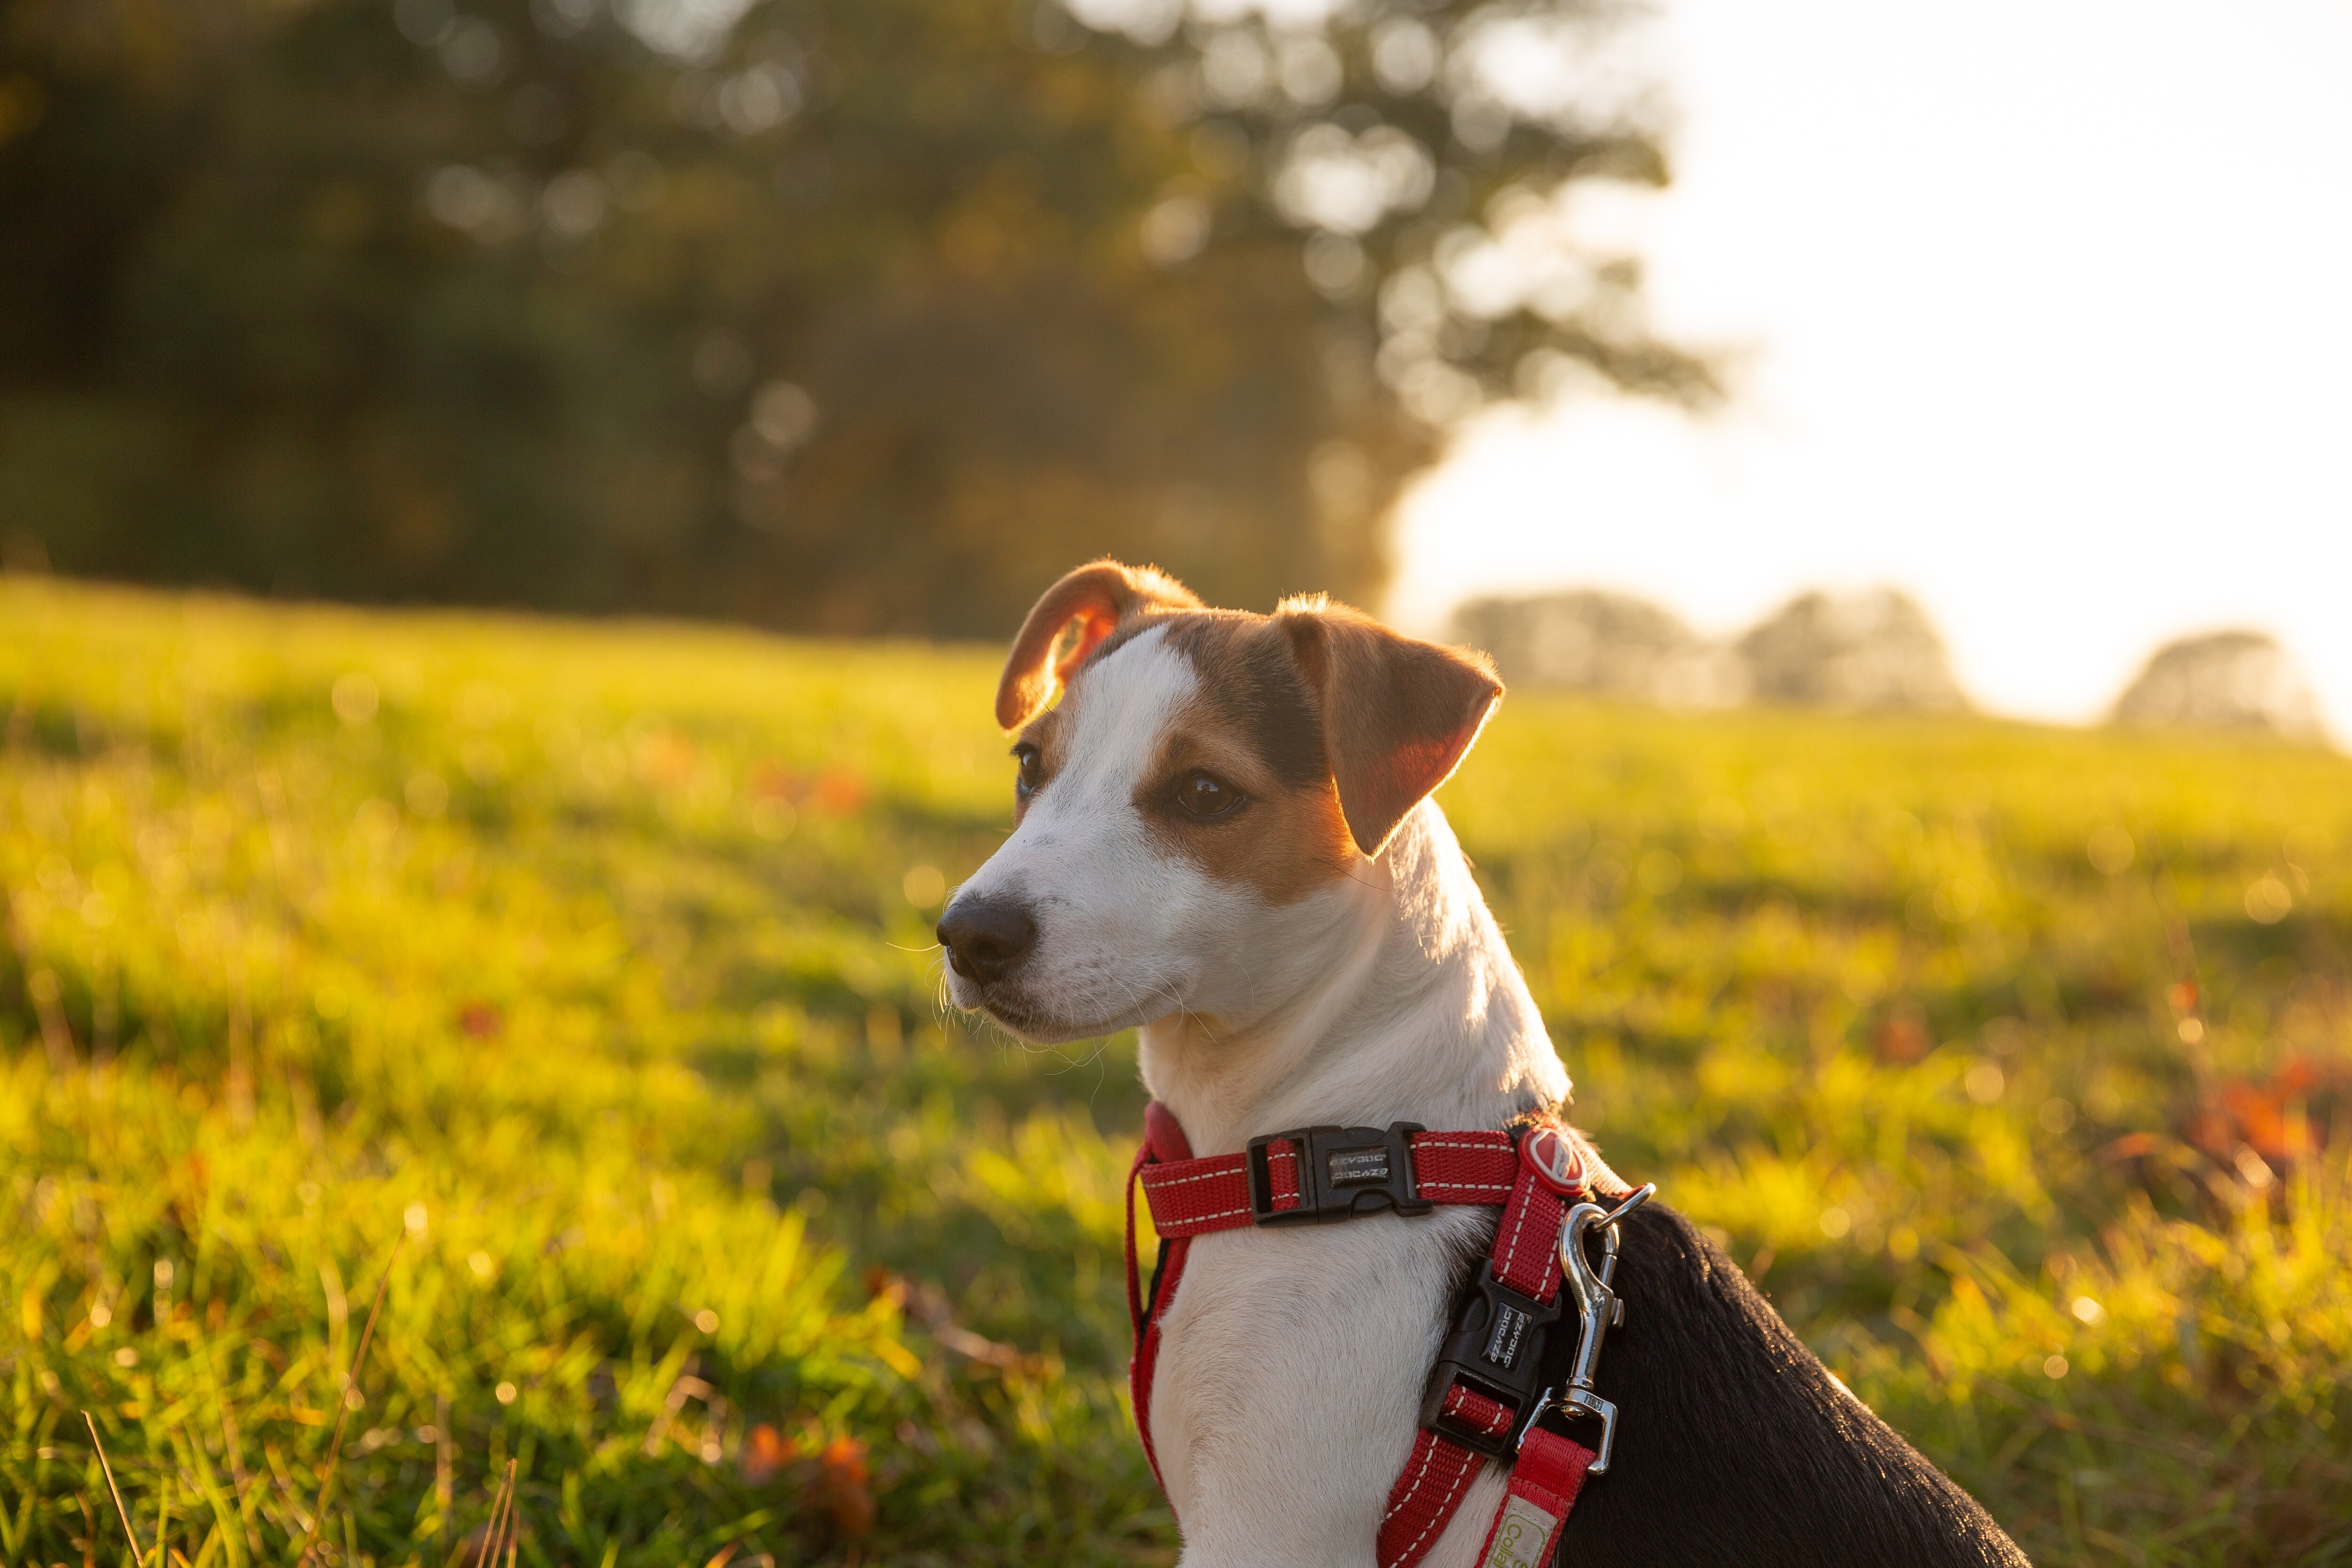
1734, 1447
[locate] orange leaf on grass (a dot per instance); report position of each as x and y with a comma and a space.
844, 1489
766, 1452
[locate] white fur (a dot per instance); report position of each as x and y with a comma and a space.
1292, 1361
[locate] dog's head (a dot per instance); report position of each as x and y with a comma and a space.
1192, 806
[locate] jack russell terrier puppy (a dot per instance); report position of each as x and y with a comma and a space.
1225, 839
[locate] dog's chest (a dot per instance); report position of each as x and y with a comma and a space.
1291, 1368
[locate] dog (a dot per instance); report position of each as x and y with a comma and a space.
1225, 839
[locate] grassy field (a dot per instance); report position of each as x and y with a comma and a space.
580, 977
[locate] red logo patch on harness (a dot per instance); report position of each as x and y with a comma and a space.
1556, 1162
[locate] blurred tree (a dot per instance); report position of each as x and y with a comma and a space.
844, 317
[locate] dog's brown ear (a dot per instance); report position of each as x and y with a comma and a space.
1399, 713
1094, 598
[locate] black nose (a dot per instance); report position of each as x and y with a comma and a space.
985, 938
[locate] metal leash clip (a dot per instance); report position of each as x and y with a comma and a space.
1600, 1309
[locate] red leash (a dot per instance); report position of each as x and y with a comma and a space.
1481, 1401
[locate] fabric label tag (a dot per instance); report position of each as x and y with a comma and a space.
1522, 1535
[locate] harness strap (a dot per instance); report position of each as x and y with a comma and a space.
1191, 1197
1164, 1143
1429, 1493
1544, 1484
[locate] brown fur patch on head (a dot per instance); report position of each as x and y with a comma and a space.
1330, 725
1050, 732
1253, 725
1398, 714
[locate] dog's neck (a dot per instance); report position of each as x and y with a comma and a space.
1395, 999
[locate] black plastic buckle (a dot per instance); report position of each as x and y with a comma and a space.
1496, 1349
1342, 1171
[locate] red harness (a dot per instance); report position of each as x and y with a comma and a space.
1481, 1401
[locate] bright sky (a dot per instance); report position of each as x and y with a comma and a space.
2047, 313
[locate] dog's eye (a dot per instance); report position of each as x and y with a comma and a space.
1205, 795
1032, 767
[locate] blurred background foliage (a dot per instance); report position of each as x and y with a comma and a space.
852, 318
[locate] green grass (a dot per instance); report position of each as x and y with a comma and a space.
593, 961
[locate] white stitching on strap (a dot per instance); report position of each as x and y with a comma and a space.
1153, 1185
1428, 1452
1516, 1226
1150, 1185
1461, 1479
